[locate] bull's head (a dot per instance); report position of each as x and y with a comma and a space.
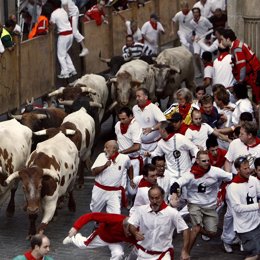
32, 181
164, 74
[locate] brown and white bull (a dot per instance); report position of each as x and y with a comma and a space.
131, 75
15, 148
50, 173
173, 66
84, 126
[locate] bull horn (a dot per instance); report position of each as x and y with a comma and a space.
41, 116
41, 132
103, 59
52, 174
70, 132
95, 104
17, 117
56, 92
66, 102
175, 69
113, 80
112, 105
89, 90
13, 176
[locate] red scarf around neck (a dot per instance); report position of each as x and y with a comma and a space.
222, 56
168, 137
153, 24
144, 183
124, 127
184, 110
198, 171
148, 102
113, 157
163, 206
257, 142
194, 127
239, 179
29, 256
210, 64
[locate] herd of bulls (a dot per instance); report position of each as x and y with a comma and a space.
46, 149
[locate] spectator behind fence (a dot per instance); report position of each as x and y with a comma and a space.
96, 13
41, 27
40, 245
6, 38
17, 28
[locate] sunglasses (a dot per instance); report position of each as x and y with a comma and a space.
242, 159
204, 160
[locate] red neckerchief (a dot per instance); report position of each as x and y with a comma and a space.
257, 142
183, 129
239, 179
144, 183
219, 160
29, 256
163, 206
194, 127
153, 24
148, 102
184, 110
124, 127
113, 157
210, 64
198, 171
222, 56
168, 137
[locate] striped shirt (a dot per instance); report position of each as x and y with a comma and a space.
133, 52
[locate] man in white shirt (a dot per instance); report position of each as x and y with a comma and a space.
149, 116
60, 18
205, 7
246, 145
242, 195
73, 13
109, 171
182, 19
150, 32
153, 225
202, 184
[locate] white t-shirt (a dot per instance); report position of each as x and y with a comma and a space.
223, 71
206, 9
157, 227
153, 35
203, 191
149, 117
200, 137
242, 105
183, 21
218, 4
244, 205
132, 136
60, 18
137, 35
208, 72
201, 27
237, 149
177, 152
113, 175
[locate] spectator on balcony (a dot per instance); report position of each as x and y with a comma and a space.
6, 38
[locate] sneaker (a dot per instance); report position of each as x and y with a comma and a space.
228, 248
205, 238
73, 73
67, 240
84, 52
63, 76
241, 247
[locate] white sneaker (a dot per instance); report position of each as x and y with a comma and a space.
67, 240
205, 238
63, 76
84, 52
241, 247
228, 248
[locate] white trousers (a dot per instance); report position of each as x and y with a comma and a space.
116, 249
228, 233
185, 40
77, 35
109, 199
63, 45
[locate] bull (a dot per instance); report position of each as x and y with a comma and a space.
131, 75
50, 173
15, 147
173, 66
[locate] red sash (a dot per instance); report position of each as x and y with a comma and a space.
141, 162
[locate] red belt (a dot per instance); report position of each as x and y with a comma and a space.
162, 254
65, 33
110, 188
141, 162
